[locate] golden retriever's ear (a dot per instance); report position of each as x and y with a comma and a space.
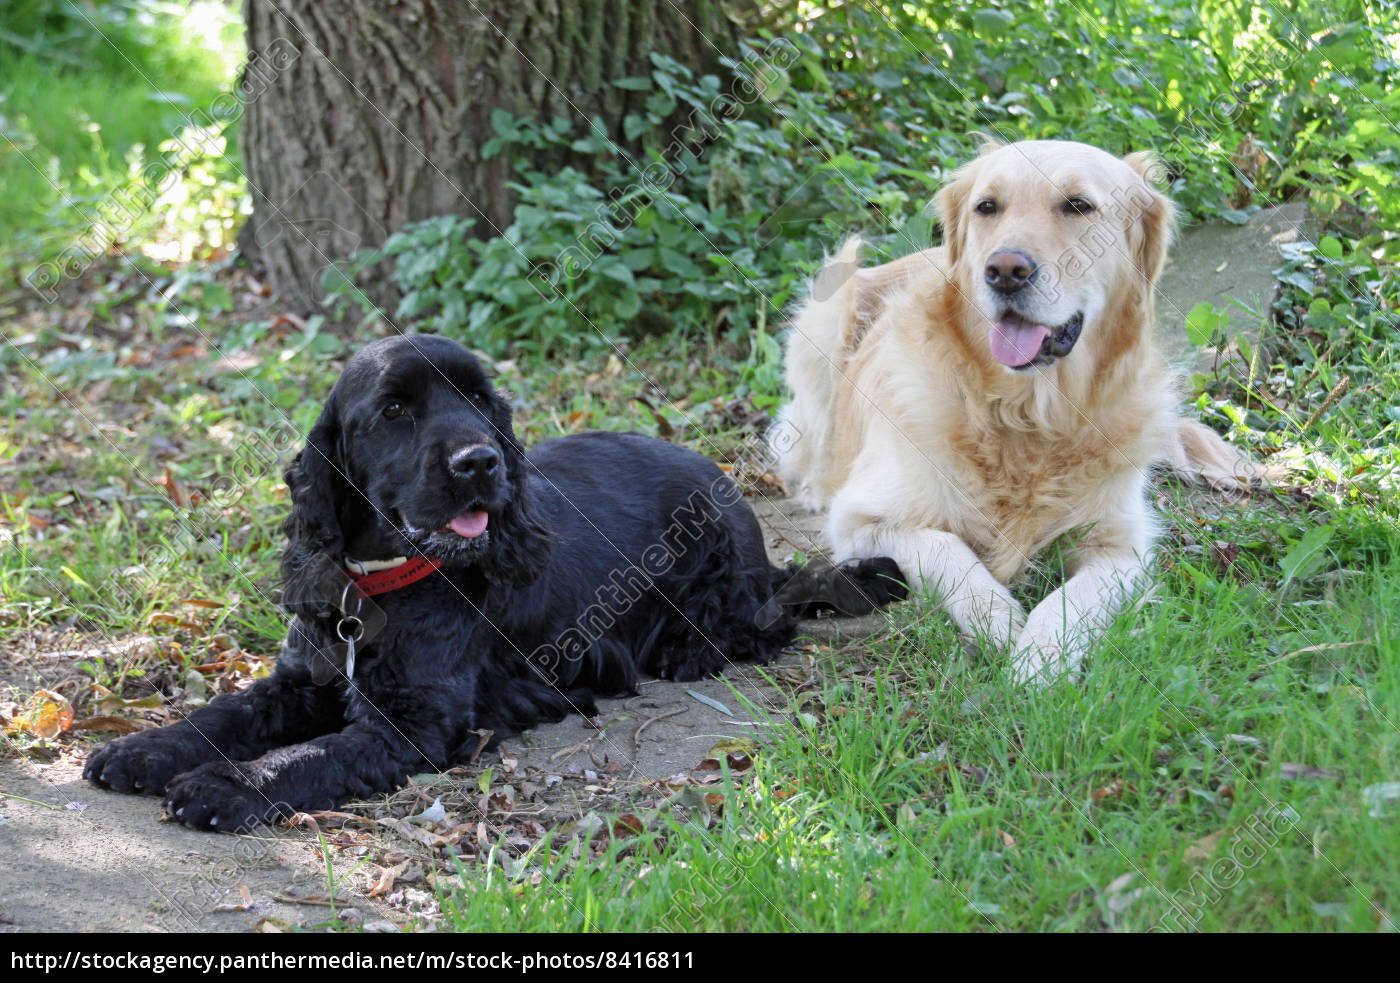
1155, 216
987, 142
951, 205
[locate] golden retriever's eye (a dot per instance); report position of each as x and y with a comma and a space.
986, 207
1078, 206
393, 410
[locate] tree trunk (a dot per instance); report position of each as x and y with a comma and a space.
362, 115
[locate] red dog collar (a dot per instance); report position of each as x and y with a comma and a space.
373, 581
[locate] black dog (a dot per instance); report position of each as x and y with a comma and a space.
487, 591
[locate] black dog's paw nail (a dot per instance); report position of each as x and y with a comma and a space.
213, 797
140, 763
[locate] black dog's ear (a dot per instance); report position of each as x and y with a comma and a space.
314, 537
521, 534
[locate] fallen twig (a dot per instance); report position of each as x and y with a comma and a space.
637, 735
319, 901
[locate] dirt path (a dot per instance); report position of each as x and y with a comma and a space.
93, 861
87, 860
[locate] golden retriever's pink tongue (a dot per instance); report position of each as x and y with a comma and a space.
1016, 343
469, 525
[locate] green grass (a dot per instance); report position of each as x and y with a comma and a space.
93, 96
1150, 796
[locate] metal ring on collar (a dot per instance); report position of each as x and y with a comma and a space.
345, 600
357, 630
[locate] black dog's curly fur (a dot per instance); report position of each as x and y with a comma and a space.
605, 556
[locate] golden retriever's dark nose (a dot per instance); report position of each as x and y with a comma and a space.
478, 461
1009, 270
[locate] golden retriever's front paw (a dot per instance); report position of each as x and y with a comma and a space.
811, 500
998, 621
1040, 661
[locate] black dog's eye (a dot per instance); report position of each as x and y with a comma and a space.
393, 411
1078, 206
986, 207
480, 398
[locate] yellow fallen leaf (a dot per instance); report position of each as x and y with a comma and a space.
46, 714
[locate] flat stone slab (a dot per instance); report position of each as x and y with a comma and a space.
1221, 263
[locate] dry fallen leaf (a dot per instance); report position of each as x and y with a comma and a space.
304, 819
628, 824
110, 701
119, 725
46, 714
385, 883
171, 487
738, 761
740, 745
1109, 791
244, 905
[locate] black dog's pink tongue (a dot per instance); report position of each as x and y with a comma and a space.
1015, 342
469, 525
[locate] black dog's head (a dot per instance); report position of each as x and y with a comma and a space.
414, 455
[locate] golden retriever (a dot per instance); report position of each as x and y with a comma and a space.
961, 408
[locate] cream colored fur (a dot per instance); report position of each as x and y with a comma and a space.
920, 445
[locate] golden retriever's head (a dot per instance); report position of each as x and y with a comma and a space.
1050, 241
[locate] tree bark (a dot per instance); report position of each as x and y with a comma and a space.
362, 115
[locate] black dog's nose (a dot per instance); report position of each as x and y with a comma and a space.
1009, 270
478, 461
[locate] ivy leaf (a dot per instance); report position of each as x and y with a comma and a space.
1202, 322
617, 270
1330, 247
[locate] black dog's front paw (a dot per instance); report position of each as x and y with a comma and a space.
862, 586
143, 762
218, 796
855, 588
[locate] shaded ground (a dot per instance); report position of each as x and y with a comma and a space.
112, 867
88, 860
